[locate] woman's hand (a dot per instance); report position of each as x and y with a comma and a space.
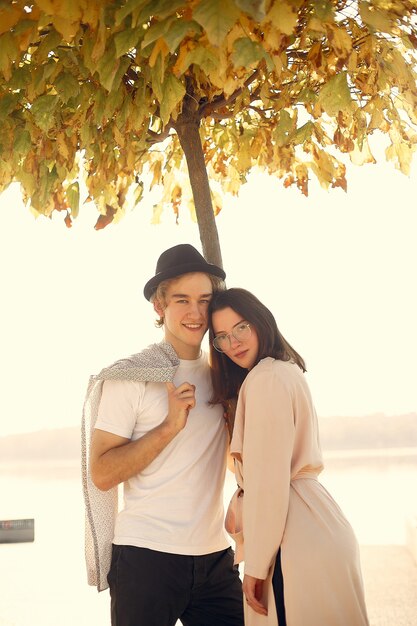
252, 588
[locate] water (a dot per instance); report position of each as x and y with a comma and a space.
44, 583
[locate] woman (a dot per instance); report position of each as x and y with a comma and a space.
301, 557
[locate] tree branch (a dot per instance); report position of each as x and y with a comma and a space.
158, 137
208, 108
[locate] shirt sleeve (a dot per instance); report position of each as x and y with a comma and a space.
267, 452
119, 405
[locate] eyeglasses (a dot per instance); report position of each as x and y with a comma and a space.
241, 332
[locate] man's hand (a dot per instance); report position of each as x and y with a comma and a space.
181, 400
252, 588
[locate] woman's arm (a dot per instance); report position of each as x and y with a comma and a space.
267, 453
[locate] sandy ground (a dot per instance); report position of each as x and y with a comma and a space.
390, 578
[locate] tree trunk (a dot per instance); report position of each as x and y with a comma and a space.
187, 127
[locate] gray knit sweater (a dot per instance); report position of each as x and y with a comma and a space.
157, 363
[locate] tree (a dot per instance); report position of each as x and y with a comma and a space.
124, 90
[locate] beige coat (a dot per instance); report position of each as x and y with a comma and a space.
276, 444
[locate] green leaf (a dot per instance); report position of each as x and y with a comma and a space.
48, 43
21, 78
67, 86
108, 68
127, 39
22, 141
8, 47
47, 179
7, 104
303, 133
128, 8
138, 193
201, 56
28, 182
163, 8
323, 10
254, 8
113, 102
22, 26
157, 76
73, 197
177, 31
217, 17
43, 110
246, 52
99, 105
284, 128
335, 95
173, 92
157, 30
124, 63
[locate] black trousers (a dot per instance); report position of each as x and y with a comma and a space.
278, 587
150, 588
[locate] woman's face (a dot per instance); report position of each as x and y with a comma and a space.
227, 325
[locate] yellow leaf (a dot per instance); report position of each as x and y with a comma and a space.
323, 167
191, 208
99, 40
375, 17
62, 146
400, 71
156, 169
401, 153
119, 137
352, 63
360, 156
48, 6
284, 16
244, 161
8, 18
340, 41
217, 202
301, 173
232, 181
160, 47
316, 25
91, 12
275, 41
315, 56
156, 213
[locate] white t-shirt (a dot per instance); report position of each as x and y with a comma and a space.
175, 504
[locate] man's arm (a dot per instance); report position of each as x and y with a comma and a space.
114, 459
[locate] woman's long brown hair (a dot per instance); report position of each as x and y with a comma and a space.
227, 377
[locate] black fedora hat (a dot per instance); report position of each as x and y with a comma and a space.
181, 259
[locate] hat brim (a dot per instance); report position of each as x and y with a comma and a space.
180, 270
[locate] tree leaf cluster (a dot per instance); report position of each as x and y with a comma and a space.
103, 92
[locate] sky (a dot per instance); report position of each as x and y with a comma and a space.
338, 270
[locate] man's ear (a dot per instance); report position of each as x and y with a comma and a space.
158, 308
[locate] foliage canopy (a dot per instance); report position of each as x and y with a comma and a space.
288, 86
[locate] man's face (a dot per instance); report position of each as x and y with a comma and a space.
185, 313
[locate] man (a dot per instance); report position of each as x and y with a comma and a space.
156, 433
